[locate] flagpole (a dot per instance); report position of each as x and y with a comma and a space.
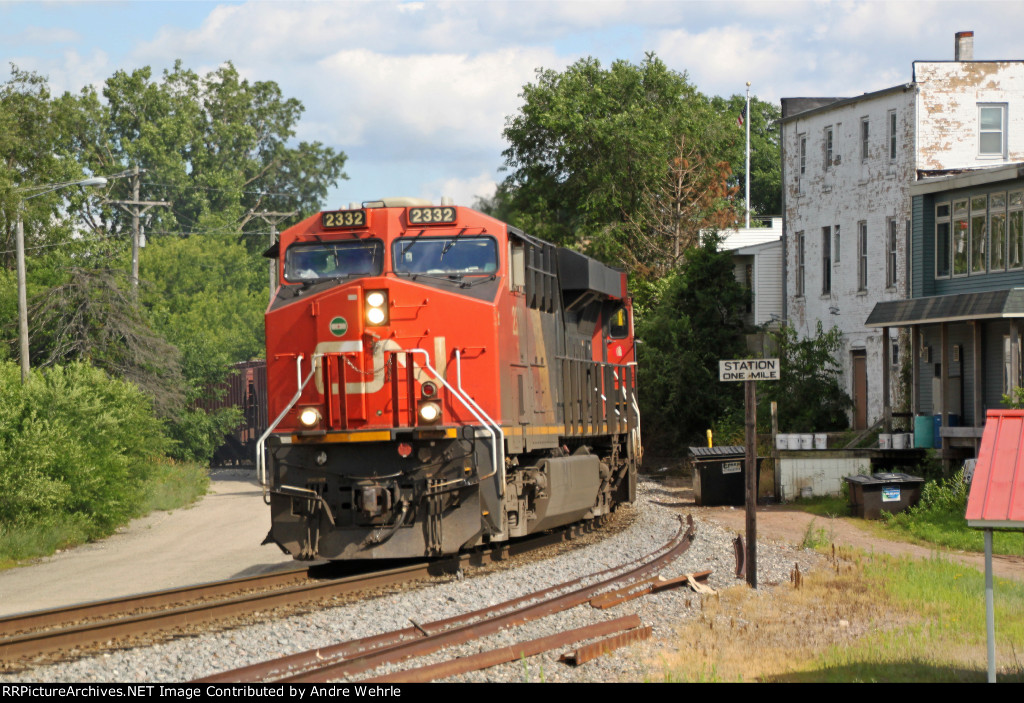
748, 154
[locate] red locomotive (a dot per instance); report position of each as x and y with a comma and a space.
438, 379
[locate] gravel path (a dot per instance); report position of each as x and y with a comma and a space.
656, 520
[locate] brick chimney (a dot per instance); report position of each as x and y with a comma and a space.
964, 49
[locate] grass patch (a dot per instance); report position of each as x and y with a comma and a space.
167, 486
174, 485
938, 519
865, 618
824, 506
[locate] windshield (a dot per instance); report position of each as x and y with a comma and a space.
312, 262
445, 255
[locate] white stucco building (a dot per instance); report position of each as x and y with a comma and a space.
847, 166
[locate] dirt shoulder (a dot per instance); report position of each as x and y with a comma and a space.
784, 524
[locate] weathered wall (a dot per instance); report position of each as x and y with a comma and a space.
949, 93
851, 190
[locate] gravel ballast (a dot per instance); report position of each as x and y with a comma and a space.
655, 521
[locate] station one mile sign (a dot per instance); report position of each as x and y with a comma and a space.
748, 370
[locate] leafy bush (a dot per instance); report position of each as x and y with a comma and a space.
74, 442
938, 518
197, 433
809, 392
697, 320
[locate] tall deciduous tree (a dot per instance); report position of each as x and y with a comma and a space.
593, 151
218, 147
697, 321
588, 141
695, 197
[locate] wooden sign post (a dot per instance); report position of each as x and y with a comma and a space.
750, 371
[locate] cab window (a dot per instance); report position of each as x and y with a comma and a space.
326, 260
618, 325
445, 255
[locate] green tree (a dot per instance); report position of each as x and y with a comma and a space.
697, 321
809, 394
218, 147
765, 157
587, 142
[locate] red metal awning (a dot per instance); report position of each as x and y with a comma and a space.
997, 489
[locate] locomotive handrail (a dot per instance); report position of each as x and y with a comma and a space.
494, 426
261, 454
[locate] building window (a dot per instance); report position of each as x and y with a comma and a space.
979, 234
1015, 234
959, 237
892, 135
1009, 382
997, 232
803, 155
992, 130
942, 240
836, 248
864, 131
799, 263
828, 148
862, 249
890, 255
826, 260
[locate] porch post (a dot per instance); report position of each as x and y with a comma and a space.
979, 382
944, 394
886, 370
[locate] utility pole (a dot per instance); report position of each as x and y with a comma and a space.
136, 209
22, 298
273, 219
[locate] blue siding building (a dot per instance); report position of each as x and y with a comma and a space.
967, 298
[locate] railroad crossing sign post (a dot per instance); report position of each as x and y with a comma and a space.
750, 371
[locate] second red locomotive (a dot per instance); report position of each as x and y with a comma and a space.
438, 379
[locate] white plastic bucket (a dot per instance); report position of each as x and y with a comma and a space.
899, 441
821, 441
793, 441
807, 441
782, 441
885, 441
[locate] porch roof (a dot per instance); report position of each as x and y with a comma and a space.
960, 307
997, 489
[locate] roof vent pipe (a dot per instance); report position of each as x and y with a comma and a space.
964, 49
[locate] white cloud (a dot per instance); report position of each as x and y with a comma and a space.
457, 98
463, 191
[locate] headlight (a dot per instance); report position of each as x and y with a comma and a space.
377, 307
430, 412
309, 417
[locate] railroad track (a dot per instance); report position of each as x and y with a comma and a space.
74, 630
609, 587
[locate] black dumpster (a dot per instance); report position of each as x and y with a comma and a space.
893, 493
719, 475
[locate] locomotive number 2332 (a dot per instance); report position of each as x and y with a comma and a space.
431, 215
343, 218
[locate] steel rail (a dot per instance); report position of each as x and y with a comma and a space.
504, 655
52, 617
69, 637
356, 656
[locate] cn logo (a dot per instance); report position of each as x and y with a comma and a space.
339, 326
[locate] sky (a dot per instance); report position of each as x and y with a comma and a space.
417, 93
